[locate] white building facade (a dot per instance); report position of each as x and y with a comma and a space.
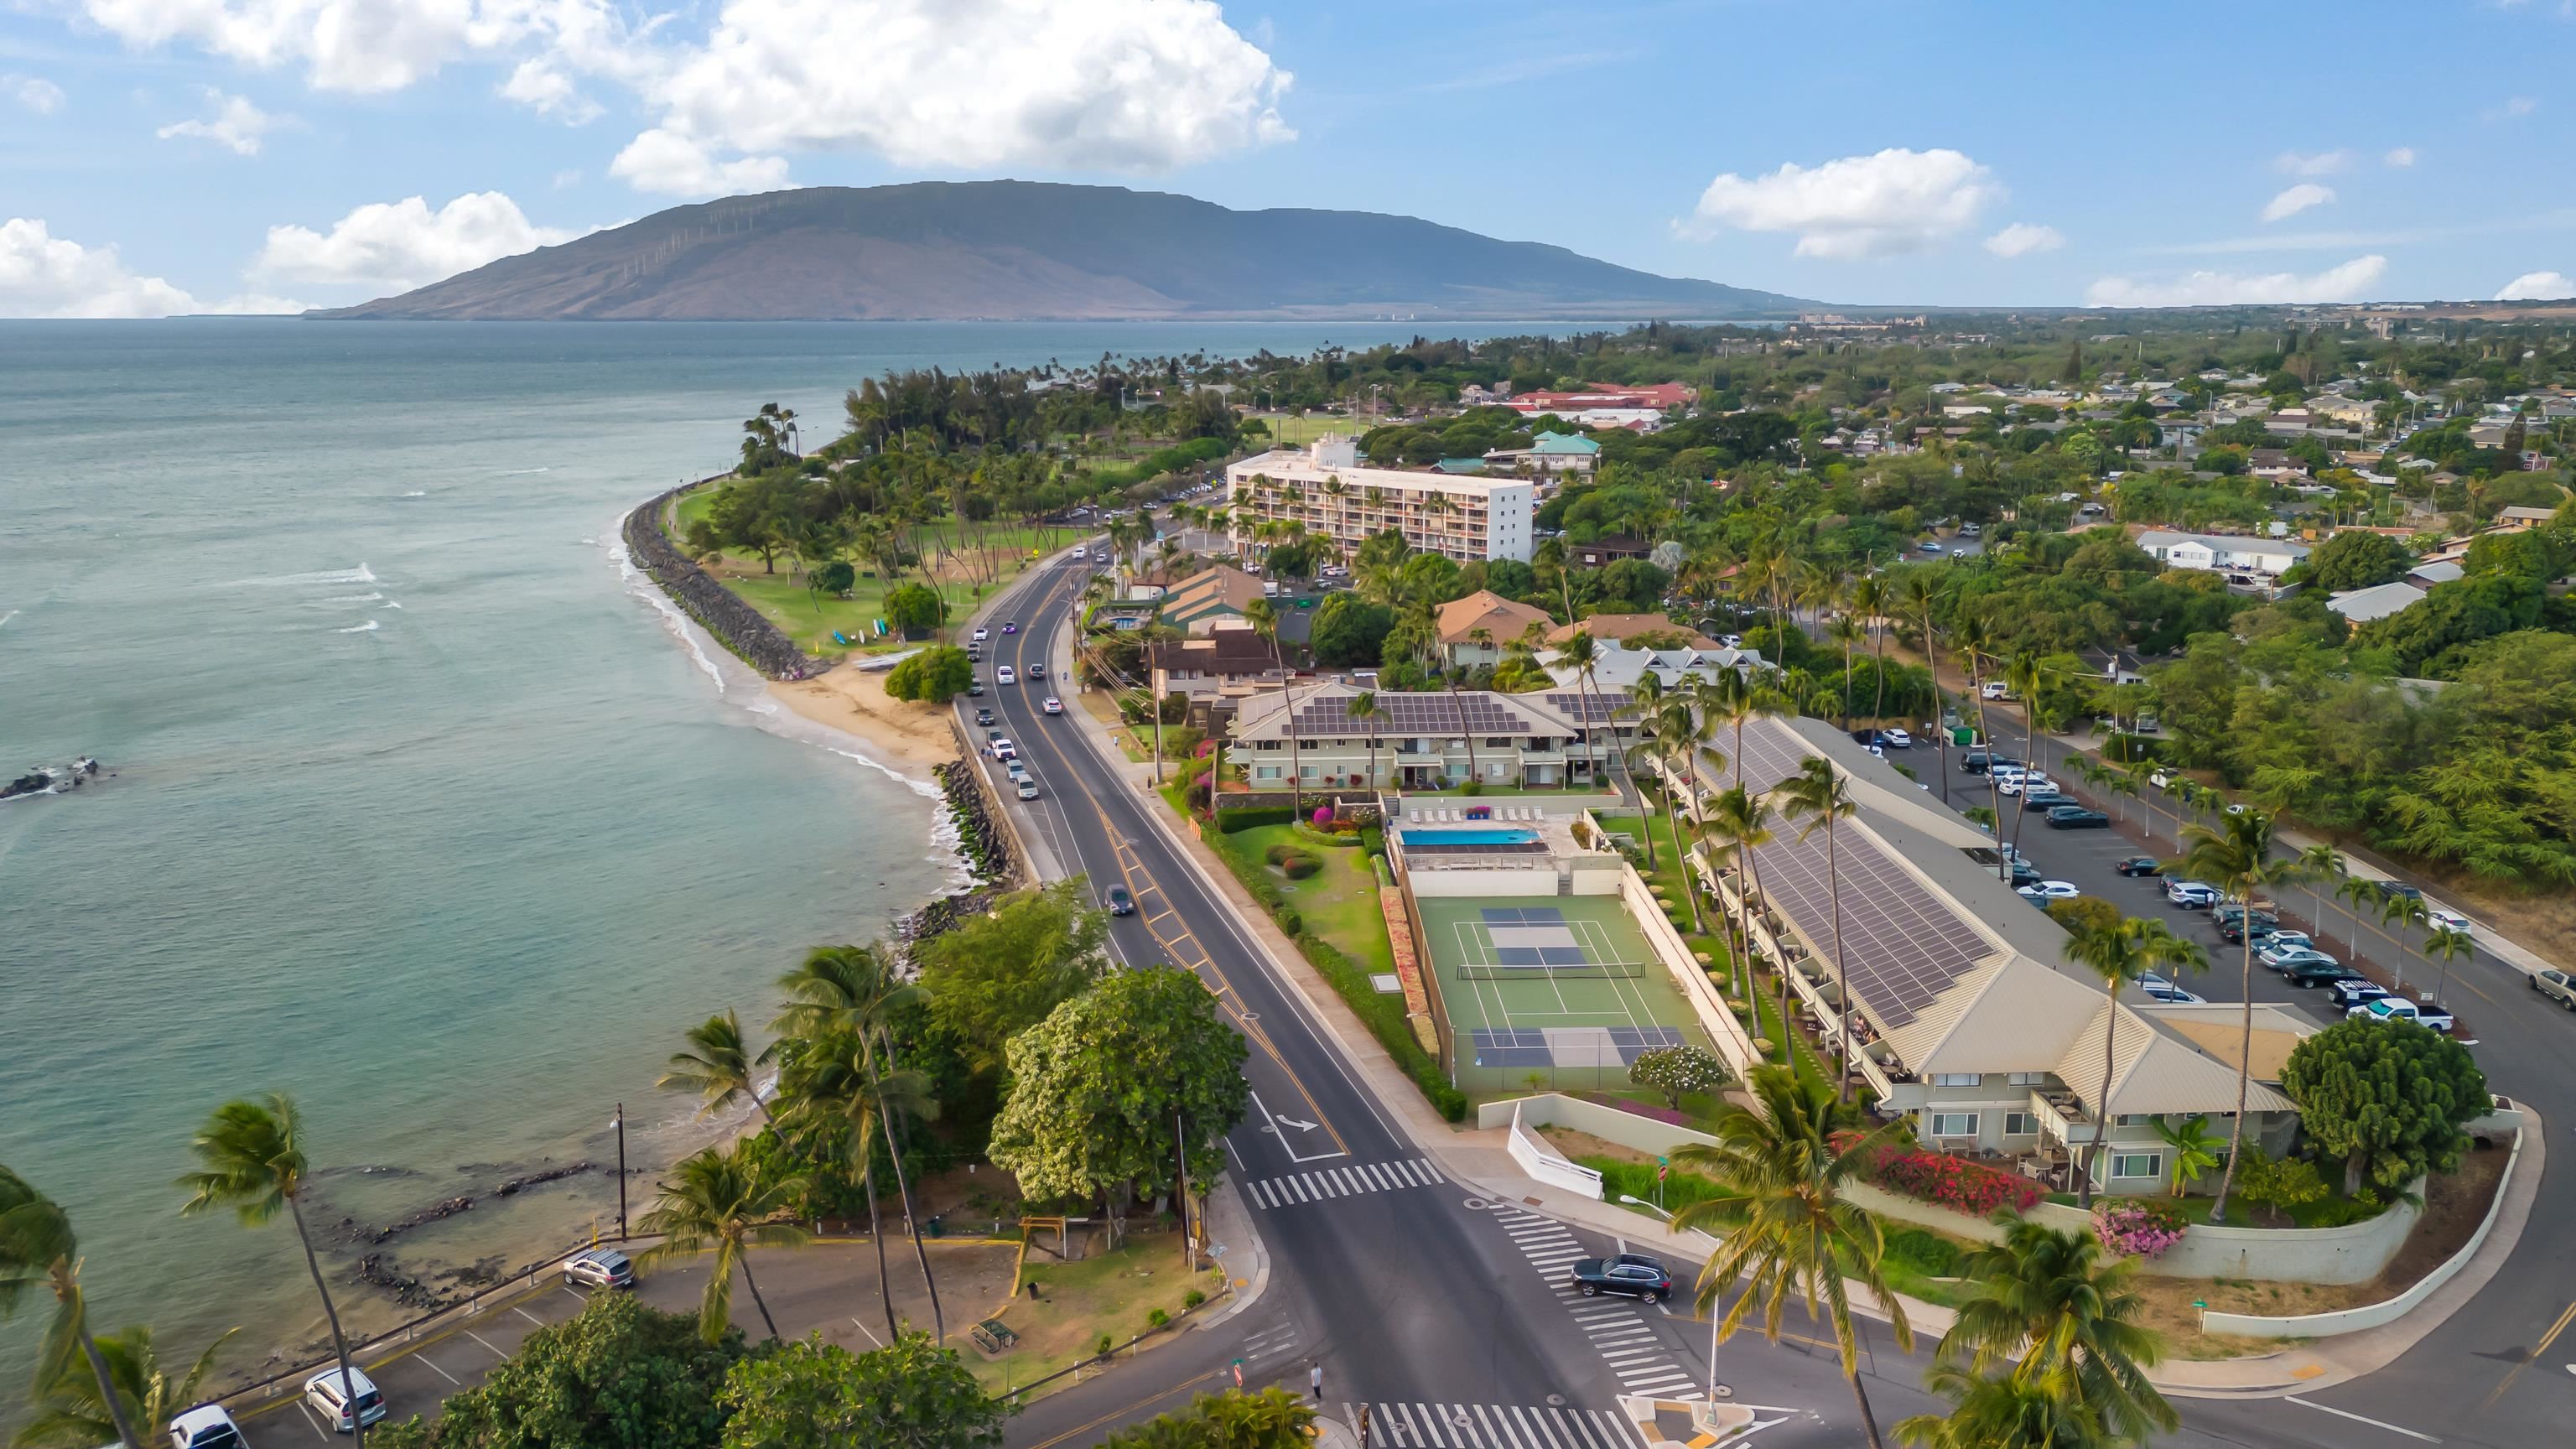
2222, 553
1326, 489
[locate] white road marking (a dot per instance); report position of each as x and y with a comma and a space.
307, 1411
863, 1328
2361, 1419
532, 1318
434, 1368
478, 1338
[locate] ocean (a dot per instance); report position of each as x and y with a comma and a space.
426, 810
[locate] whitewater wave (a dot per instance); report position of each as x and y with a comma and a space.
5, 618
522, 472
417, 493
390, 604
351, 599
359, 575
641, 585
368, 627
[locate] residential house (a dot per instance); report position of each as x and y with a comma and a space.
1617, 670
1478, 628
1609, 548
2376, 602
2222, 553
1620, 628
1557, 453
1229, 663
1204, 600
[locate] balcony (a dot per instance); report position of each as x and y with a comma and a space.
2063, 1118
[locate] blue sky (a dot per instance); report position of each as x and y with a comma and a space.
175, 155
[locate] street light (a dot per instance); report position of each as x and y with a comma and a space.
619, 1122
1714, 1317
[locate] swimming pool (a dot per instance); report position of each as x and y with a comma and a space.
1471, 835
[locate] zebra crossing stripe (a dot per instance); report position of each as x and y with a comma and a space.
1353, 1180
1492, 1426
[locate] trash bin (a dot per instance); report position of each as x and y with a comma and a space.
933, 1228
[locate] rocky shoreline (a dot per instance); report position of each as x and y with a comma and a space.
986, 848
734, 623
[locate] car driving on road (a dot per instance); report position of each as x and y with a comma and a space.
2558, 986
1120, 903
1004, 675
1053, 705
1631, 1273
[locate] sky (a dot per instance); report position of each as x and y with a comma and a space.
176, 156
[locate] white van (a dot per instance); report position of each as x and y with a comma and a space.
324, 1393
1081, 553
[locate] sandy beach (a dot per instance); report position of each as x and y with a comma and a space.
911, 736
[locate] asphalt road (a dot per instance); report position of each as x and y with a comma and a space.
2475, 1379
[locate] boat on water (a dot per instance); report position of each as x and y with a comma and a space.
51, 779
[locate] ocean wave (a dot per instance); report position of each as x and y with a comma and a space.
5, 618
641, 585
350, 599
390, 604
521, 472
368, 627
359, 575
417, 493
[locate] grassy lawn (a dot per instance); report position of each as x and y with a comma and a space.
1338, 903
1297, 432
1108, 1293
2328, 1211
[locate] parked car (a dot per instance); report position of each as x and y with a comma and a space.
2558, 986
2319, 973
206, 1426
1121, 903
2076, 817
1028, 788
2286, 961
2052, 890
1004, 675
600, 1268
2354, 993
327, 1394
2014, 784
1053, 705
2044, 801
2140, 865
2158, 988
2024, 873
1003, 750
1896, 739
2442, 920
2231, 929
2191, 894
2276, 939
1978, 762
2398, 1008
1631, 1273
1995, 689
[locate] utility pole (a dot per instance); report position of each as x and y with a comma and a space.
620, 1125
1189, 1241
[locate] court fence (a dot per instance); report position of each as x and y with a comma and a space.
1488, 1060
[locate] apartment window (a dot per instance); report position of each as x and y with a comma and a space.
1956, 1079
2132, 1119
1306, 772
1268, 772
2020, 1124
2138, 1164
2027, 1079
1954, 1124
1500, 744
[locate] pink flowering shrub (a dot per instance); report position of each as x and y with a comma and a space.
1951, 1182
2136, 1227
1323, 816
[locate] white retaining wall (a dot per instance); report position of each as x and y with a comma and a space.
1428, 882
1733, 1045
1545, 1164
1551, 1109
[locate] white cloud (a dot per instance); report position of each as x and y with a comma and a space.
43, 275
235, 124
676, 165
343, 45
567, 180
2513, 107
2538, 287
1856, 207
35, 93
403, 244
2400, 156
2313, 163
2297, 199
1117, 85
2346, 283
543, 87
2021, 239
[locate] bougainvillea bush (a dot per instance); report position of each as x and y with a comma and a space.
2135, 1227
1952, 1182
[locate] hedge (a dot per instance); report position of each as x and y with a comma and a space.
1230, 821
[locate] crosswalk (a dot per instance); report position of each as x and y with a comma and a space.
1617, 1327
1491, 1426
1323, 1184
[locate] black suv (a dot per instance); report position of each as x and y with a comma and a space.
2076, 817
1632, 1273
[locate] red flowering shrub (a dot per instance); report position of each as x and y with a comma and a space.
1952, 1182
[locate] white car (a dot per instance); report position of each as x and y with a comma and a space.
2442, 920
206, 1426
1004, 675
2398, 1008
1896, 739
982, 634
2161, 778
2269, 941
1028, 788
1004, 750
1995, 689
2016, 784
325, 1394
2159, 989
1080, 553
2050, 890
1053, 705
2194, 894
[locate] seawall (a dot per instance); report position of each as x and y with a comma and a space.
735, 624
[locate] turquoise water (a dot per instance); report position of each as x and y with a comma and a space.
1416, 835
425, 812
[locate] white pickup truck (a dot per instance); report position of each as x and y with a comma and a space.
2398, 1008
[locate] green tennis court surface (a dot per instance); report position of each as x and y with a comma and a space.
1561, 986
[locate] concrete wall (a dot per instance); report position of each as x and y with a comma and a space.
1552, 1109
1453, 883
1545, 1164
1733, 1045
2353, 1320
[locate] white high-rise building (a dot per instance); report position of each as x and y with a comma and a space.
1325, 488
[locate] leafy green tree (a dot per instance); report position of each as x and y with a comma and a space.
2044, 1302
1678, 1071
996, 975
38, 1251
836, 577
1785, 1228
2000, 1411
1099, 1088
1270, 1419
937, 673
2389, 1098
1350, 631
2281, 1183
618, 1375
72, 1413
810, 1394
913, 607
252, 1161
2355, 559
718, 1200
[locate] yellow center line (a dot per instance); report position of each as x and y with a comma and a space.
1118, 1413
2537, 1350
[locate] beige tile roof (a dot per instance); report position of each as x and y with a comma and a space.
2155, 1070
2218, 1029
2008, 1013
1485, 609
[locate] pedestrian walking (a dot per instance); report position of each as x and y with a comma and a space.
1315, 1382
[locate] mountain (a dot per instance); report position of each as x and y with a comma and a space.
1021, 251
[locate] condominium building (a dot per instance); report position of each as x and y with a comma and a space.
1326, 489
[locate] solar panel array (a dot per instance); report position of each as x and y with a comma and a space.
1429, 713
1592, 708
1903, 945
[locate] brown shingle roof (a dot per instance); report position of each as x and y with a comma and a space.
1624, 627
1485, 609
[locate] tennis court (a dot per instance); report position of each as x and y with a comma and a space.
1561, 986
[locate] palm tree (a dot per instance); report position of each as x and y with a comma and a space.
2194, 1147
2446, 945
254, 1163
75, 1414
1742, 821
1363, 707
1975, 643
1785, 1226
2022, 676
1579, 651
1845, 630
1820, 791
39, 1249
2046, 1303
1466, 736
2324, 867
717, 1200
2119, 954
717, 1067
1871, 599
1919, 594
2003, 1411
1263, 616
2237, 858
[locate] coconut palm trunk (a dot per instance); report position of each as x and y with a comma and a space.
876, 1235
903, 1190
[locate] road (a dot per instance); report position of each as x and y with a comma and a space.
2478, 1367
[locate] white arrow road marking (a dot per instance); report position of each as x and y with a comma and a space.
1300, 1126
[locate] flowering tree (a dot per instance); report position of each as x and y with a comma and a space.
1677, 1071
